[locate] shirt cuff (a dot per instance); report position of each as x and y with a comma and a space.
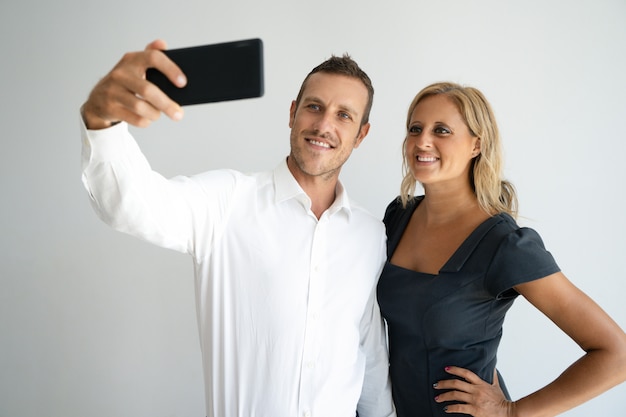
105, 144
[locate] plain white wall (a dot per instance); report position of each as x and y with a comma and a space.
96, 323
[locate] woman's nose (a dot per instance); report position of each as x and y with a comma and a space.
423, 140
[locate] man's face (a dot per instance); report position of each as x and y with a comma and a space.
326, 125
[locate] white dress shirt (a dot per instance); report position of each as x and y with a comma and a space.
288, 320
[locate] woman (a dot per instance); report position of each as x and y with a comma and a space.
456, 262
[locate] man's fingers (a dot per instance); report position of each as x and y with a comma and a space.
158, 60
124, 94
152, 94
157, 44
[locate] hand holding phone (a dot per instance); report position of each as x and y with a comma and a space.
217, 72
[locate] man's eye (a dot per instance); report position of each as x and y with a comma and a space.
315, 107
344, 115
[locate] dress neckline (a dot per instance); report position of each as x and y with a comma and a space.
460, 255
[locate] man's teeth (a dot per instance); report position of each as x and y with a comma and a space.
314, 142
426, 158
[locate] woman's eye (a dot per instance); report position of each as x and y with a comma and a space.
442, 130
415, 129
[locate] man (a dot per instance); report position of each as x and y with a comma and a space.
285, 264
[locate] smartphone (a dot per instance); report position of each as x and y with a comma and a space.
217, 72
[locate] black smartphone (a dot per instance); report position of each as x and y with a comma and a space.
217, 72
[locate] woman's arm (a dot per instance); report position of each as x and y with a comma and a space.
604, 364
602, 367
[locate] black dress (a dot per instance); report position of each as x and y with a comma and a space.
455, 317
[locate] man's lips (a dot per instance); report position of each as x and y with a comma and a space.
319, 143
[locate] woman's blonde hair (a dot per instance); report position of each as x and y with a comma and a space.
494, 194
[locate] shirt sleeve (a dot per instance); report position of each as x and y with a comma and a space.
521, 257
376, 399
132, 198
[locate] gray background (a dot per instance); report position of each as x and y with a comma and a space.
96, 323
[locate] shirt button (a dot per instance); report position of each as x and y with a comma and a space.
310, 364
307, 414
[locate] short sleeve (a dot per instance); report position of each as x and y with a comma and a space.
396, 219
521, 257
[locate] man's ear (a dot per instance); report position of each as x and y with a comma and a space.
292, 113
363, 131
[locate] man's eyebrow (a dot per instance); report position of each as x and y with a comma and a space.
312, 99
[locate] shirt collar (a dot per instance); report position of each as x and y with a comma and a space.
288, 188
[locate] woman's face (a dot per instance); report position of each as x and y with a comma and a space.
439, 145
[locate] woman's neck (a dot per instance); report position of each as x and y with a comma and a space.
444, 204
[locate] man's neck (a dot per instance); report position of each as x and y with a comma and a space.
321, 189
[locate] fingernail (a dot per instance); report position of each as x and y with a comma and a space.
181, 80
178, 115
445, 408
447, 368
435, 385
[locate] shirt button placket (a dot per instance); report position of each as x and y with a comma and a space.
311, 344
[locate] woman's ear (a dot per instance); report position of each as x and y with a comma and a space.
476, 150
